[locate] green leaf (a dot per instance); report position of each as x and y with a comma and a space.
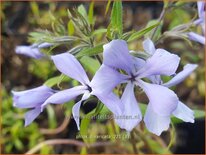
107, 7
51, 117
35, 9
18, 144
70, 28
158, 31
90, 64
143, 108
99, 31
82, 10
116, 17
90, 51
83, 150
142, 32
91, 13
87, 119
56, 80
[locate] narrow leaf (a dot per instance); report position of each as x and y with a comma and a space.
116, 17
56, 80
107, 7
91, 51
70, 28
142, 32
91, 13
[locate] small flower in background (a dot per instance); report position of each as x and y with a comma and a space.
32, 51
32, 98
201, 21
69, 65
163, 102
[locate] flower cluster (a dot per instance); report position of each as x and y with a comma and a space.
118, 67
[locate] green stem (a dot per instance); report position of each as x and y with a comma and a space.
133, 142
159, 20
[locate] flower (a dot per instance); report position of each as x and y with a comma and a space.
162, 101
69, 65
32, 50
182, 111
201, 21
32, 98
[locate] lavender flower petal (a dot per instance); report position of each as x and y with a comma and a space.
154, 122
148, 46
160, 63
45, 45
184, 113
131, 111
76, 108
201, 9
65, 95
163, 100
112, 102
31, 115
68, 65
196, 37
31, 98
106, 79
187, 70
116, 55
29, 51
138, 63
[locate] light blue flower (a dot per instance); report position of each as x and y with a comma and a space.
162, 101
32, 51
69, 65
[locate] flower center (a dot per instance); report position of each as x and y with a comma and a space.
132, 77
89, 88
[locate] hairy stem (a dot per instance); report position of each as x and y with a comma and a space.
159, 20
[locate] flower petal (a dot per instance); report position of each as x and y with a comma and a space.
31, 115
154, 122
116, 55
106, 79
148, 46
201, 8
138, 63
163, 100
196, 37
45, 45
184, 113
29, 51
65, 95
155, 79
32, 97
76, 108
131, 114
68, 65
112, 102
161, 63
187, 70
